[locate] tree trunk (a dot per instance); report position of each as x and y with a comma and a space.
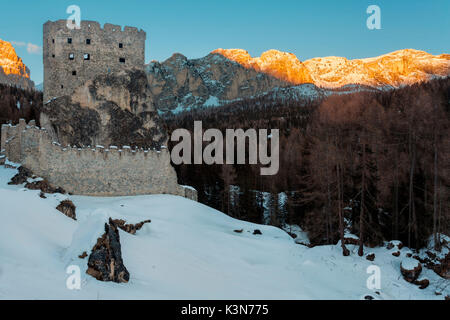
411, 185
412, 223
329, 221
345, 251
361, 214
396, 213
436, 245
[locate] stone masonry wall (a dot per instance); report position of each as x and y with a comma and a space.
95, 171
109, 49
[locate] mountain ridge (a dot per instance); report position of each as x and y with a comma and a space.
223, 76
12, 69
397, 68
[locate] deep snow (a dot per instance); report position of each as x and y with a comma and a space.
188, 251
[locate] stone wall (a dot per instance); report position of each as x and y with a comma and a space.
95, 171
109, 49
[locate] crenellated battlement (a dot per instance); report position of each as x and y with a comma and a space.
93, 171
32, 132
94, 26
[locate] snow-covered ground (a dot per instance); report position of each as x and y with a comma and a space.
188, 251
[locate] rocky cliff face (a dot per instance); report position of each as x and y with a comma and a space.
281, 65
179, 84
112, 109
12, 70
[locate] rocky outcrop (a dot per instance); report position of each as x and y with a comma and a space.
67, 208
443, 268
112, 109
12, 69
370, 257
105, 261
21, 177
44, 186
440, 265
423, 283
130, 228
410, 269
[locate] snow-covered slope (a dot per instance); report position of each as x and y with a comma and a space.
188, 251
394, 69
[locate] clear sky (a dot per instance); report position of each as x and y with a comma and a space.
307, 28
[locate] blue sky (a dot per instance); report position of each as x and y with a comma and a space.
194, 28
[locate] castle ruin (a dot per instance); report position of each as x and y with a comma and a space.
72, 57
97, 94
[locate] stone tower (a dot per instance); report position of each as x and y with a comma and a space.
72, 57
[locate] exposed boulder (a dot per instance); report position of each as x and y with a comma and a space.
423, 283
370, 257
24, 174
293, 235
130, 228
395, 243
105, 261
430, 254
21, 177
443, 268
68, 208
44, 186
351, 239
257, 232
440, 266
83, 255
410, 269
